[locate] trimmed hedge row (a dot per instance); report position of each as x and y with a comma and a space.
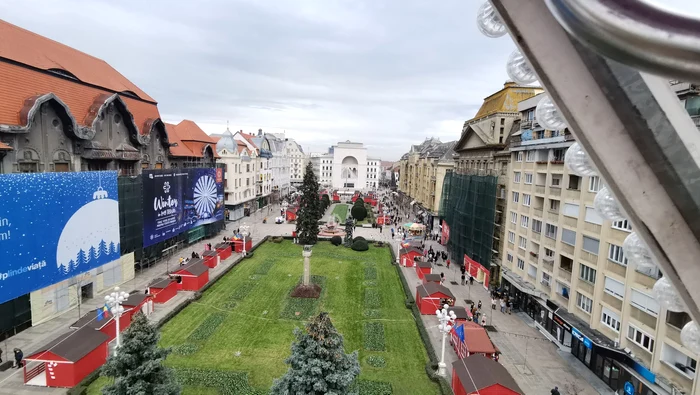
374, 336
369, 387
207, 327
376, 361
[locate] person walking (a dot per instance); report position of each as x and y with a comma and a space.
478, 306
493, 303
471, 280
483, 320
448, 263
442, 278
503, 306
555, 391
19, 355
509, 306
463, 279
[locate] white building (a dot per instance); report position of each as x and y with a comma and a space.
373, 173
322, 164
261, 167
241, 161
297, 162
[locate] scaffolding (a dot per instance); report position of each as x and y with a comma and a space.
468, 206
130, 215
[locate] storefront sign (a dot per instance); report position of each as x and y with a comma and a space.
562, 323
586, 341
629, 388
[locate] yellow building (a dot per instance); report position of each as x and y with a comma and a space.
422, 171
565, 267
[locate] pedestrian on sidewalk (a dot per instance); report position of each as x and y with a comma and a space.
509, 306
463, 278
555, 391
471, 280
19, 355
483, 320
442, 278
448, 265
503, 306
493, 303
478, 306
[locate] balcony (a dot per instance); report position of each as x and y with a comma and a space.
612, 301
673, 333
643, 279
548, 264
564, 274
589, 257
548, 242
570, 221
533, 258
554, 190
573, 193
525, 125
539, 189
553, 215
642, 316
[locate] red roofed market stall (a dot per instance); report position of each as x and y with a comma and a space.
194, 275
478, 375
408, 255
469, 338
162, 289
477, 270
431, 297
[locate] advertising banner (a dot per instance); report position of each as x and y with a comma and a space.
54, 226
177, 200
445, 233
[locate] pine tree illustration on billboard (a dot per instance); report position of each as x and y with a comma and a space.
177, 200
54, 226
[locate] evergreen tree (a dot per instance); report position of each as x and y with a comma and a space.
103, 248
318, 364
111, 248
349, 226
137, 367
309, 208
71, 265
92, 253
116, 249
81, 258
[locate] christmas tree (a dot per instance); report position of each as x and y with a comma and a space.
82, 258
93, 254
111, 247
309, 208
318, 364
103, 248
137, 366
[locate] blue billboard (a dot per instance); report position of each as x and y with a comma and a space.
54, 226
177, 200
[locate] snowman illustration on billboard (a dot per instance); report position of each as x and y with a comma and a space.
90, 238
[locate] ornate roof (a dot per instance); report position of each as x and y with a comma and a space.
506, 99
227, 142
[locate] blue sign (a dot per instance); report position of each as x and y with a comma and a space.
629, 388
177, 200
526, 135
54, 226
586, 341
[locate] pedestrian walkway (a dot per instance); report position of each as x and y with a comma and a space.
535, 362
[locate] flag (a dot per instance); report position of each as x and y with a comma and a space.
102, 313
460, 332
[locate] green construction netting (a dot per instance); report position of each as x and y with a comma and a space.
468, 205
130, 215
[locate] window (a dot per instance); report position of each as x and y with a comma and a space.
568, 236
593, 184
553, 205
536, 226
522, 242
516, 197
514, 217
570, 210
556, 180
574, 182
563, 289
511, 237
678, 361
524, 221
677, 320
548, 253
532, 271
614, 288
591, 245
516, 177
550, 231
584, 302
640, 338
528, 178
610, 319
593, 217
622, 225
616, 255
526, 200
558, 154
644, 302
521, 264
519, 156
546, 279
509, 257
530, 156
586, 273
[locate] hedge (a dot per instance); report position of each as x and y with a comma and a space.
336, 240
373, 313
374, 336
360, 245
185, 349
207, 327
369, 387
242, 290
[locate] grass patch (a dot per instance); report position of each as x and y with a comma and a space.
370, 387
207, 327
373, 299
376, 361
265, 267
306, 307
373, 313
224, 381
370, 283
341, 211
370, 273
241, 291
374, 336
185, 349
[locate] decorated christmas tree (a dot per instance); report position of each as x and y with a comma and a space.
318, 364
309, 209
137, 367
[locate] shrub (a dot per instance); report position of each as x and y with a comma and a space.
376, 361
379, 244
358, 212
374, 336
336, 240
185, 349
278, 239
370, 273
372, 298
370, 283
369, 387
358, 238
207, 327
360, 245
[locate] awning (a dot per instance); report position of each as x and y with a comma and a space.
522, 285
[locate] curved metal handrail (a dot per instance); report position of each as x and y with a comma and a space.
634, 33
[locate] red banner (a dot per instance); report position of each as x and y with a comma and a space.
445, 233
477, 270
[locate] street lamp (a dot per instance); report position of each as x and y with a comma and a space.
446, 321
114, 302
244, 232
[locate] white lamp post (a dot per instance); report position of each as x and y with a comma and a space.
114, 302
446, 321
244, 232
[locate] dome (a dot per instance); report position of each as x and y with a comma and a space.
226, 142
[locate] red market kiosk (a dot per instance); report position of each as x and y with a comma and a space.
162, 289
483, 376
431, 278
137, 302
431, 297
211, 258
224, 250
291, 214
68, 359
461, 313
423, 268
470, 338
103, 322
194, 275
408, 255
238, 244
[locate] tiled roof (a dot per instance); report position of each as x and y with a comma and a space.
506, 99
5, 147
190, 139
31, 49
22, 86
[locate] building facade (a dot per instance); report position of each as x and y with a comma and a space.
261, 168
190, 146
565, 266
374, 167
322, 163
240, 182
297, 162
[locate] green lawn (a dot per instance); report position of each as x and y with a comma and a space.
341, 211
243, 324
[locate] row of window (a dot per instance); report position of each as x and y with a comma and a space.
556, 155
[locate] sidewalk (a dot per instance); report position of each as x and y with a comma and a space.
535, 362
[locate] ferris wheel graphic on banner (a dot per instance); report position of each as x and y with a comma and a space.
205, 196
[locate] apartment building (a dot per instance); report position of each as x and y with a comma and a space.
322, 164
373, 173
564, 266
241, 173
297, 162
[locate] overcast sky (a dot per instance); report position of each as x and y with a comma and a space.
388, 73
